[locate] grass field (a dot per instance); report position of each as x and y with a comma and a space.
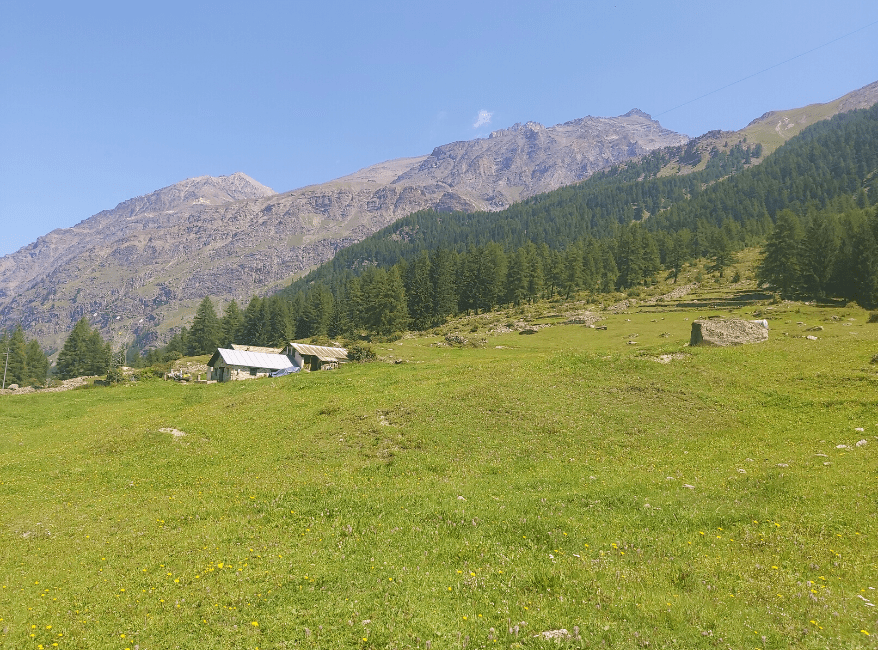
468, 497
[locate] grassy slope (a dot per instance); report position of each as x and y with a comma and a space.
538, 484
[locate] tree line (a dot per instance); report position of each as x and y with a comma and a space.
829, 160
23, 362
825, 253
613, 231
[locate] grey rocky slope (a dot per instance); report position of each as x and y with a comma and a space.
140, 268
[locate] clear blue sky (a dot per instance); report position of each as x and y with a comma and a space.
103, 101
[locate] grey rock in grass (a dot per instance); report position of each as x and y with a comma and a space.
724, 332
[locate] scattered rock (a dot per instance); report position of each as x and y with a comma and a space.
686, 485
861, 443
667, 358
783, 465
859, 429
811, 338
816, 328
585, 318
727, 332
174, 432
742, 471
841, 446
557, 635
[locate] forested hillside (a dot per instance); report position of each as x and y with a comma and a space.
812, 201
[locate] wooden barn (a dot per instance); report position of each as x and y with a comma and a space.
315, 357
232, 365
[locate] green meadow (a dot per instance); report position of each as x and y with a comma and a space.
466, 497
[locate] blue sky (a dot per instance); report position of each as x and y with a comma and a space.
100, 102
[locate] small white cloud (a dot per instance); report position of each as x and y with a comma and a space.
483, 118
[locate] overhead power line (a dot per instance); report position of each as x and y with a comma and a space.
771, 67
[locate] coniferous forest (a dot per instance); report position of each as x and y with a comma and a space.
811, 206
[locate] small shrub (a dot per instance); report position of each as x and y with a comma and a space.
737, 276
873, 317
361, 353
115, 376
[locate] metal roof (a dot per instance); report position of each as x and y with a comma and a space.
321, 352
255, 348
250, 359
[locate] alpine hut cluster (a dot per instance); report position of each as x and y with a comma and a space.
250, 362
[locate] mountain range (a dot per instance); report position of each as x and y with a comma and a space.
139, 269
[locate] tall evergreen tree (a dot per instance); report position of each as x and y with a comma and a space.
419, 291
780, 263
84, 353
818, 253
254, 325
16, 372
517, 278
443, 275
231, 324
37, 363
720, 252
206, 332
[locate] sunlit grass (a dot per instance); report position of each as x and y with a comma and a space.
468, 497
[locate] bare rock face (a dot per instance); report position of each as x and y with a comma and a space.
721, 332
128, 269
527, 159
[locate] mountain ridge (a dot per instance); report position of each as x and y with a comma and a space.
139, 269
145, 262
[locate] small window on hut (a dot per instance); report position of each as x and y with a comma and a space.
252, 372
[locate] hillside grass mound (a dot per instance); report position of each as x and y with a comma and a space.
471, 497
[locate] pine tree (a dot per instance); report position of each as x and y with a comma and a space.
720, 252
84, 353
780, 263
419, 291
382, 303
818, 253
678, 253
206, 332
443, 272
254, 328
517, 278
16, 370
37, 363
231, 324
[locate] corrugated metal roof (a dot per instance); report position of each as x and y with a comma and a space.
252, 359
255, 348
321, 352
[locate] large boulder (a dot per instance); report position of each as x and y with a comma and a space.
728, 332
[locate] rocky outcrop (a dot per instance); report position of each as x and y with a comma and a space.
527, 159
723, 332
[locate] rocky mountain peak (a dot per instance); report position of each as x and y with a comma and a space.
201, 190
636, 112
